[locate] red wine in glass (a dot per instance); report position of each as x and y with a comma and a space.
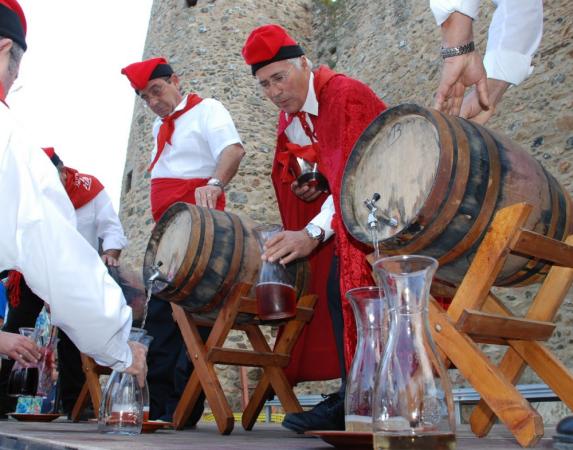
23, 381
275, 301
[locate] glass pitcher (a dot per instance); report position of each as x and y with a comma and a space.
121, 408
370, 313
23, 379
146, 340
413, 405
275, 292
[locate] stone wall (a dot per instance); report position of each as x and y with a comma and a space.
393, 46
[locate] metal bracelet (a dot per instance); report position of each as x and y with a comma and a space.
457, 51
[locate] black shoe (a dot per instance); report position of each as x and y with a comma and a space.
564, 437
327, 415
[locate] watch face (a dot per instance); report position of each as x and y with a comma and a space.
313, 231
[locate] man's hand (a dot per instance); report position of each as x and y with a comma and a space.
111, 257
458, 73
207, 196
19, 348
138, 362
305, 192
471, 107
462, 71
288, 246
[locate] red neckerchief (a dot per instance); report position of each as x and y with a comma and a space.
306, 152
81, 188
168, 127
2, 94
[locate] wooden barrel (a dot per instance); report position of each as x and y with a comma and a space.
442, 179
203, 253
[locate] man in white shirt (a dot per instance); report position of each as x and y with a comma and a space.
39, 237
514, 35
197, 151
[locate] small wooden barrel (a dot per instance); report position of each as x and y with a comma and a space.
442, 179
203, 253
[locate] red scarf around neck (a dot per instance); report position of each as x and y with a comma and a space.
168, 127
287, 159
81, 188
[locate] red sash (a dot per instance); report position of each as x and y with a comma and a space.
81, 188
166, 191
168, 127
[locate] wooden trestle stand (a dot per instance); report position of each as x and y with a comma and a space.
476, 316
91, 388
205, 355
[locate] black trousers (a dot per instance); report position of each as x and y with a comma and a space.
169, 368
335, 309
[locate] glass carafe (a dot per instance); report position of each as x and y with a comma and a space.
121, 408
413, 405
23, 379
275, 292
146, 340
370, 313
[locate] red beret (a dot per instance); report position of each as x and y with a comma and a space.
51, 153
140, 73
268, 44
13, 22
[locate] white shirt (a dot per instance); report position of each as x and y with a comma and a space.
514, 34
200, 135
38, 238
98, 220
295, 134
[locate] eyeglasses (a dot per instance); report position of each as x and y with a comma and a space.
155, 91
278, 79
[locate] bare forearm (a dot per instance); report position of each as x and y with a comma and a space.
457, 30
228, 163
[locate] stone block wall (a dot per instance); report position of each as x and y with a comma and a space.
393, 46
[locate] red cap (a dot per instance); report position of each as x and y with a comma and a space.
268, 44
140, 73
13, 22
51, 153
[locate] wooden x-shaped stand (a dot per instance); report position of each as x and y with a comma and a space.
478, 316
205, 355
91, 388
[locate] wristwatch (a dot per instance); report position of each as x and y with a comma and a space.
215, 182
314, 232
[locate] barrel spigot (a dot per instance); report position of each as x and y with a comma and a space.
156, 274
374, 217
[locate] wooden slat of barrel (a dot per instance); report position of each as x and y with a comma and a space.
204, 253
443, 178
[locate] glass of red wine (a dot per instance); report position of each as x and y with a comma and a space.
275, 292
23, 379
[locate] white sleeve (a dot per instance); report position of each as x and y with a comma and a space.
218, 127
324, 218
443, 8
108, 226
40, 240
514, 36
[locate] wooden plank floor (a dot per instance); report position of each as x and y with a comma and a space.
63, 434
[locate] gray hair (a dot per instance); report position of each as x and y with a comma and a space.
298, 64
16, 53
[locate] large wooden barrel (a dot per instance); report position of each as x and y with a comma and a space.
202, 253
442, 179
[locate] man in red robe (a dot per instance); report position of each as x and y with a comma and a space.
323, 113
